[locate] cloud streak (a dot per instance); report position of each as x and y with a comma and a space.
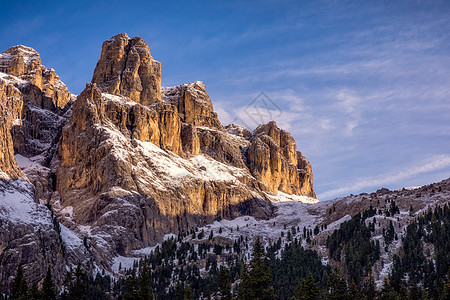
436, 163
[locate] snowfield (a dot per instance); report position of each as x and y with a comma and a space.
17, 204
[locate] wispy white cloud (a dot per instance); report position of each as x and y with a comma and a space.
433, 164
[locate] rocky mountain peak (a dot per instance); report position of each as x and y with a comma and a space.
31, 97
127, 68
193, 104
19, 60
39, 85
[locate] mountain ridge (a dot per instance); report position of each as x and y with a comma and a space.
126, 161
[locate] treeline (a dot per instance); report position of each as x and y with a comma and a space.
423, 262
420, 269
351, 245
77, 285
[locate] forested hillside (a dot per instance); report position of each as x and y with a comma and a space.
183, 270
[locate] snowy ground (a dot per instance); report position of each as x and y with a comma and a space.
288, 214
17, 204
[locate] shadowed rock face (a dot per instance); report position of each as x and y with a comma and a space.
33, 101
31, 98
127, 68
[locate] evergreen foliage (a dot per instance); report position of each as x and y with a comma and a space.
224, 284
257, 279
430, 272
353, 240
19, 288
48, 287
294, 264
285, 270
336, 287
307, 289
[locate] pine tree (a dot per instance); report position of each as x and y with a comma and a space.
34, 293
387, 292
370, 289
337, 286
145, 283
257, 281
77, 285
307, 289
179, 292
131, 287
224, 284
48, 286
20, 287
445, 294
354, 293
188, 293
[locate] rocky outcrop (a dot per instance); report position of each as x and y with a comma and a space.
273, 159
37, 105
11, 102
38, 84
31, 237
44, 100
27, 236
127, 68
120, 165
33, 101
193, 104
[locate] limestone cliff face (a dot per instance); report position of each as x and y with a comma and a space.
274, 160
127, 68
193, 104
39, 85
37, 104
11, 103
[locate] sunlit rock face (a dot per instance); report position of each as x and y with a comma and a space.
127, 68
274, 160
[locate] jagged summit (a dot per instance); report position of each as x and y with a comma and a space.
19, 60
127, 68
40, 85
32, 99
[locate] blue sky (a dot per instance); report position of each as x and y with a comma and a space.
363, 86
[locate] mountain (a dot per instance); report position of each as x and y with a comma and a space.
130, 179
124, 163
